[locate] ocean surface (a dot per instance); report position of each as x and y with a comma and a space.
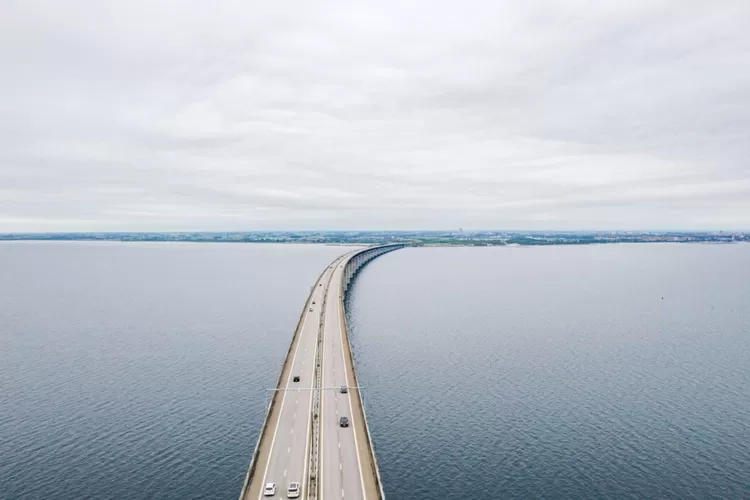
135, 371
607, 371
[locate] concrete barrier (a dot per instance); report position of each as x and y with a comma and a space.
342, 312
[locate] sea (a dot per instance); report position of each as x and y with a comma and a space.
137, 370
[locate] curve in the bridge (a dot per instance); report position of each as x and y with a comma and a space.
302, 440
369, 463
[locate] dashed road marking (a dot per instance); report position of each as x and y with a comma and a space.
281, 409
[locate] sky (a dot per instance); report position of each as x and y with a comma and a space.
167, 115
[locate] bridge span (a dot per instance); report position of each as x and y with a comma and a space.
303, 439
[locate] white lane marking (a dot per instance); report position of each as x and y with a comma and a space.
281, 408
292, 431
284, 472
342, 492
288, 450
342, 328
295, 415
341, 466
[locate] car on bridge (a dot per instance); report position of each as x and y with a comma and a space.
311, 309
269, 490
344, 422
344, 389
293, 490
295, 378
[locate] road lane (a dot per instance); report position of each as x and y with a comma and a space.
286, 461
287, 458
341, 470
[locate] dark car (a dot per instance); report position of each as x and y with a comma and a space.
344, 422
296, 378
344, 390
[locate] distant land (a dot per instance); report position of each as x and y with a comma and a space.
415, 238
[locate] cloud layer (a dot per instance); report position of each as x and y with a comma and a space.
236, 115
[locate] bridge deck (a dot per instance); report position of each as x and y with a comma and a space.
345, 460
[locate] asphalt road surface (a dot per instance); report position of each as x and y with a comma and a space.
340, 466
285, 459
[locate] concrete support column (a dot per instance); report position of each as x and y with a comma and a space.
358, 261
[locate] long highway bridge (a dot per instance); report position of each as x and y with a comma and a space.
315, 433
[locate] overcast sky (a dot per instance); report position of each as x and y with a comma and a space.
241, 115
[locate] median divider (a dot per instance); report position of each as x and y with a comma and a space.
312, 470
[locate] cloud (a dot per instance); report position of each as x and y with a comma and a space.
165, 115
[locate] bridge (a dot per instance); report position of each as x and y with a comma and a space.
303, 439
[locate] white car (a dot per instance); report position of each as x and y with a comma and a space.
269, 490
293, 490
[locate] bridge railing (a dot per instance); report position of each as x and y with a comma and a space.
346, 279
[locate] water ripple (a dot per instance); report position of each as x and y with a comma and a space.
558, 373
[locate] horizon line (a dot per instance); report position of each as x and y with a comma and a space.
451, 230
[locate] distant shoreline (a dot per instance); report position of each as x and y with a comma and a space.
412, 238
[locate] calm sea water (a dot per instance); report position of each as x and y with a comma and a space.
613, 371
135, 371
616, 371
